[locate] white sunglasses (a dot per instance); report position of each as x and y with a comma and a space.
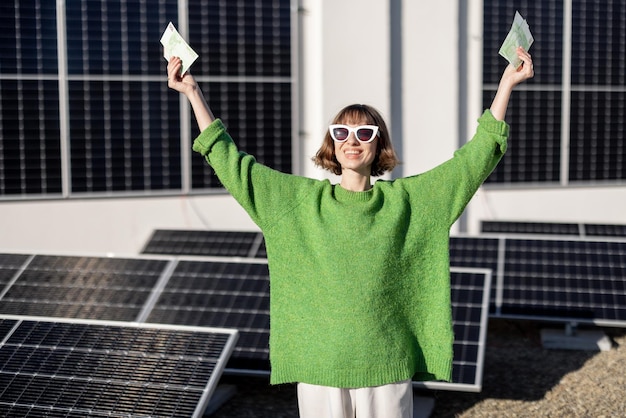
364, 133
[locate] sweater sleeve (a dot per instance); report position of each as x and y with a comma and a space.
453, 183
263, 192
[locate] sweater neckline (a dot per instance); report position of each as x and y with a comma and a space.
344, 195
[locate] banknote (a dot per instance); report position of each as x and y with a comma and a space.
175, 46
519, 35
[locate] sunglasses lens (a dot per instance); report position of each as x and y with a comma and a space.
364, 134
340, 134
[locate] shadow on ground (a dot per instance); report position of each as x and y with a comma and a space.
517, 368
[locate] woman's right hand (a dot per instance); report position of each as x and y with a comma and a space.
182, 83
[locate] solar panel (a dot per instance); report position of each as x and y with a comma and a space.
550, 278
221, 294
82, 287
77, 368
206, 243
605, 230
579, 279
515, 227
470, 301
553, 228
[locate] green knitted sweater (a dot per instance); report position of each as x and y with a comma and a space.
359, 281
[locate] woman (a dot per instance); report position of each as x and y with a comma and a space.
359, 272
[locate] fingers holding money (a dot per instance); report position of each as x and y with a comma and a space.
514, 75
173, 69
181, 83
527, 69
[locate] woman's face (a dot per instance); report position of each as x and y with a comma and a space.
355, 155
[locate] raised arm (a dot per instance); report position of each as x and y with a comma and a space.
510, 78
187, 85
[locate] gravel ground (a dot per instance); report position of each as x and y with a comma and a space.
521, 379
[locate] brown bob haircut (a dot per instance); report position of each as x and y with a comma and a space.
385, 159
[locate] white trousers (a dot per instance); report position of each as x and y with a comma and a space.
394, 400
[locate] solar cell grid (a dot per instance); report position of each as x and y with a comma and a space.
228, 50
476, 252
581, 280
604, 230
83, 287
514, 227
204, 243
258, 115
88, 368
553, 228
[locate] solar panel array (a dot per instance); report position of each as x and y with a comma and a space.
568, 279
165, 290
77, 113
580, 49
77, 368
553, 228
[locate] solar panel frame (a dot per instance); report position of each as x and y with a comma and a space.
469, 349
74, 367
251, 355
